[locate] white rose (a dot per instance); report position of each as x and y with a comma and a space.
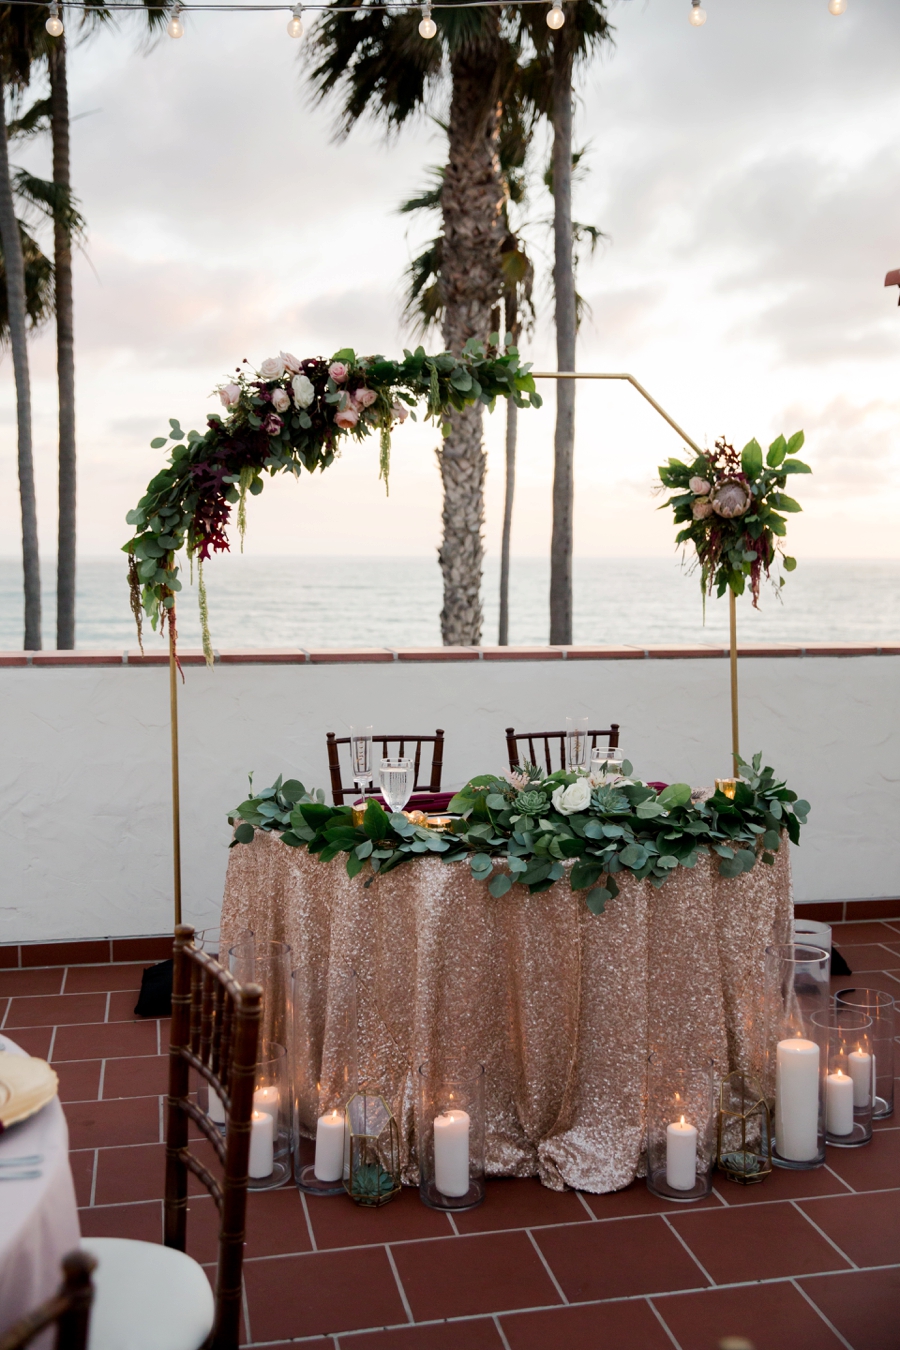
272, 368
575, 797
304, 393
280, 400
290, 362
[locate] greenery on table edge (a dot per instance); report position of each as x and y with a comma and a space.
292, 415
530, 825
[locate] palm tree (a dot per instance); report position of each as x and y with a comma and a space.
379, 64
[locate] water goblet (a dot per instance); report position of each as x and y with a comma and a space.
607, 761
397, 779
576, 743
361, 757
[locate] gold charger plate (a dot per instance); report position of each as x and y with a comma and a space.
26, 1085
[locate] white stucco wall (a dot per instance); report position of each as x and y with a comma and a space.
84, 766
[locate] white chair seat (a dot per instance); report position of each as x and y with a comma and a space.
147, 1297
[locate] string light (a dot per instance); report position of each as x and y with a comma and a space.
836, 6
54, 24
555, 16
175, 28
698, 14
295, 26
428, 27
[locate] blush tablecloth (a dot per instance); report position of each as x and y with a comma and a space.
38, 1218
562, 1007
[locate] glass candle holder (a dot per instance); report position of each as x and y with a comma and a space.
681, 1129
845, 1037
267, 964
878, 1005
372, 1150
744, 1138
796, 989
576, 743
450, 1135
323, 1089
813, 933
270, 1123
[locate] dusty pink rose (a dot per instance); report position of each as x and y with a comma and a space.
346, 418
364, 398
272, 368
229, 394
290, 362
338, 372
281, 400
400, 412
272, 424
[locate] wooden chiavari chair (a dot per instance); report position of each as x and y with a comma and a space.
69, 1308
513, 739
339, 792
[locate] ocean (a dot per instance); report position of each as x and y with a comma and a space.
376, 602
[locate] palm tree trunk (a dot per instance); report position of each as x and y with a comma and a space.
15, 294
512, 425
65, 356
564, 286
472, 203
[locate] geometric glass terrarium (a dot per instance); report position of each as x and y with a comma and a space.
373, 1150
744, 1146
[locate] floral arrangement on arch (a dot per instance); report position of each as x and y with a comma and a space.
733, 507
287, 416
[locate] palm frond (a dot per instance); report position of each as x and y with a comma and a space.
55, 201
39, 293
31, 123
429, 199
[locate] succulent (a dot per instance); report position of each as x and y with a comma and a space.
533, 803
610, 802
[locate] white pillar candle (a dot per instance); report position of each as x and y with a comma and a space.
262, 1144
797, 1099
330, 1147
266, 1099
215, 1107
681, 1155
451, 1153
861, 1066
839, 1094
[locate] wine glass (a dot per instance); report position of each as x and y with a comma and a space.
361, 757
576, 743
397, 778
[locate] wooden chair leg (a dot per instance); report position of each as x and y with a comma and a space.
175, 1234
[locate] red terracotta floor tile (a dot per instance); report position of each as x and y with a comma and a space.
121, 1005
21, 982
635, 1200
203, 1230
756, 1242
616, 1260
56, 1010
9, 956
149, 950
866, 1227
65, 953
476, 1334
82, 1165
142, 1223
465, 1276
782, 1184
862, 1306
276, 1224
128, 1174
516, 1203
338, 1222
630, 1325
868, 956
872, 979
865, 930
770, 1316
321, 1294
133, 1120
79, 1080
86, 979
105, 1040
34, 1042
141, 1076
874, 1167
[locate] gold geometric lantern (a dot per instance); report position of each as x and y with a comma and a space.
744, 1151
373, 1144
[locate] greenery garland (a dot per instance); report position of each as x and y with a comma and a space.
733, 507
529, 825
289, 416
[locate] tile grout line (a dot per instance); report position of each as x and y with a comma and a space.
6, 1012
245, 1308
823, 1234
309, 1227
51, 1046
546, 1264
94, 1178
402, 1292
699, 1264
722, 1201
65, 976
106, 1014
839, 1178
591, 1213
816, 1309
500, 1332
453, 1223
662, 1322
101, 1084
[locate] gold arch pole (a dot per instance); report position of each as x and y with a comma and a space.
732, 606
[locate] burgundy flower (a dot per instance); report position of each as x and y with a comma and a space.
273, 424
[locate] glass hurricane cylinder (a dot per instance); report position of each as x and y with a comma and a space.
450, 1135
744, 1144
271, 1097
576, 743
267, 964
878, 1005
849, 1066
681, 1129
323, 1084
796, 989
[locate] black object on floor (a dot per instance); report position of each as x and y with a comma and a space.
838, 964
155, 998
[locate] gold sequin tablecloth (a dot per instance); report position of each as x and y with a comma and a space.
562, 1007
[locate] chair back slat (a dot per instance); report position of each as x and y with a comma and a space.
513, 738
340, 793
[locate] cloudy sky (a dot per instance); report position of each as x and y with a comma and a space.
747, 179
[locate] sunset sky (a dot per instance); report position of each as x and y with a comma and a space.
746, 176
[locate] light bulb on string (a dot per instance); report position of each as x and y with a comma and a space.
836, 6
175, 28
295, 25
54, 24
555, 16
428, 27
698, 14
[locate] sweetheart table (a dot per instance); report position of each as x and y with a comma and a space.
561, 1006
